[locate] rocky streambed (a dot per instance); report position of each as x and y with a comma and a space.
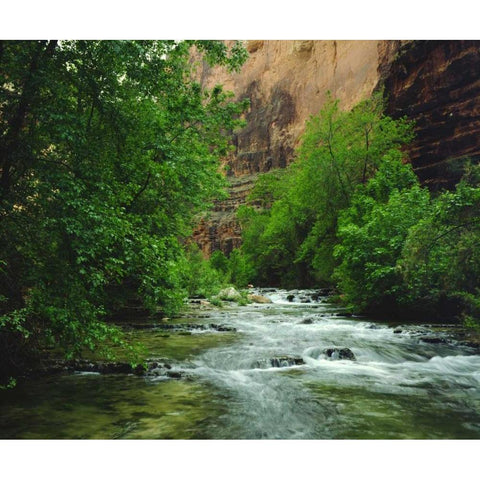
294, 366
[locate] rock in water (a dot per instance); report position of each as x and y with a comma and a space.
259, 298
339, 353
278, 362
286, 361
307, 321
229, 294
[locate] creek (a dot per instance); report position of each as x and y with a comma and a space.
280, 375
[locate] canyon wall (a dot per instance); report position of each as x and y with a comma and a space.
435, 83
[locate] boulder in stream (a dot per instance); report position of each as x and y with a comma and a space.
339, 353
229, 294
258, 298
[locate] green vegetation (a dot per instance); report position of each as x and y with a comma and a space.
290, 234
350, 212
402, 249
107, 151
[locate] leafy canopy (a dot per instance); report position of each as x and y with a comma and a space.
108, 149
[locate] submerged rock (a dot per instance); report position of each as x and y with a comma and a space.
307, 321
222, 328
290, 297
339, 353
164, 369
166, 373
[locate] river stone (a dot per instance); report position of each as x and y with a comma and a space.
286, 361
229, 294
278, 362
157, 372
222, 328
339, 353
259, 298
307, 321
162, 369
290, 297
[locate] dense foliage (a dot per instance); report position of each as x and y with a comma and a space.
107, 151
404, 250
291, 231
372, 233
350, 212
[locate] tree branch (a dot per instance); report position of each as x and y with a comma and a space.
140, 191
448, 232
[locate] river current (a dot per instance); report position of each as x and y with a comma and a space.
280, 375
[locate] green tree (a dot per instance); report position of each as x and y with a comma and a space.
440, 261
405, 251
198, 275
294, 237
372, 234
107, 151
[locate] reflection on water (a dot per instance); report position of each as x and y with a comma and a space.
399, 386
108, 406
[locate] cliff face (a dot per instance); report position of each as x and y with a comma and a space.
437, 84
286, 82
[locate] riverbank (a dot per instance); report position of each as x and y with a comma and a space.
295, 368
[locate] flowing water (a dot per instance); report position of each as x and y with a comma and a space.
272, 378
